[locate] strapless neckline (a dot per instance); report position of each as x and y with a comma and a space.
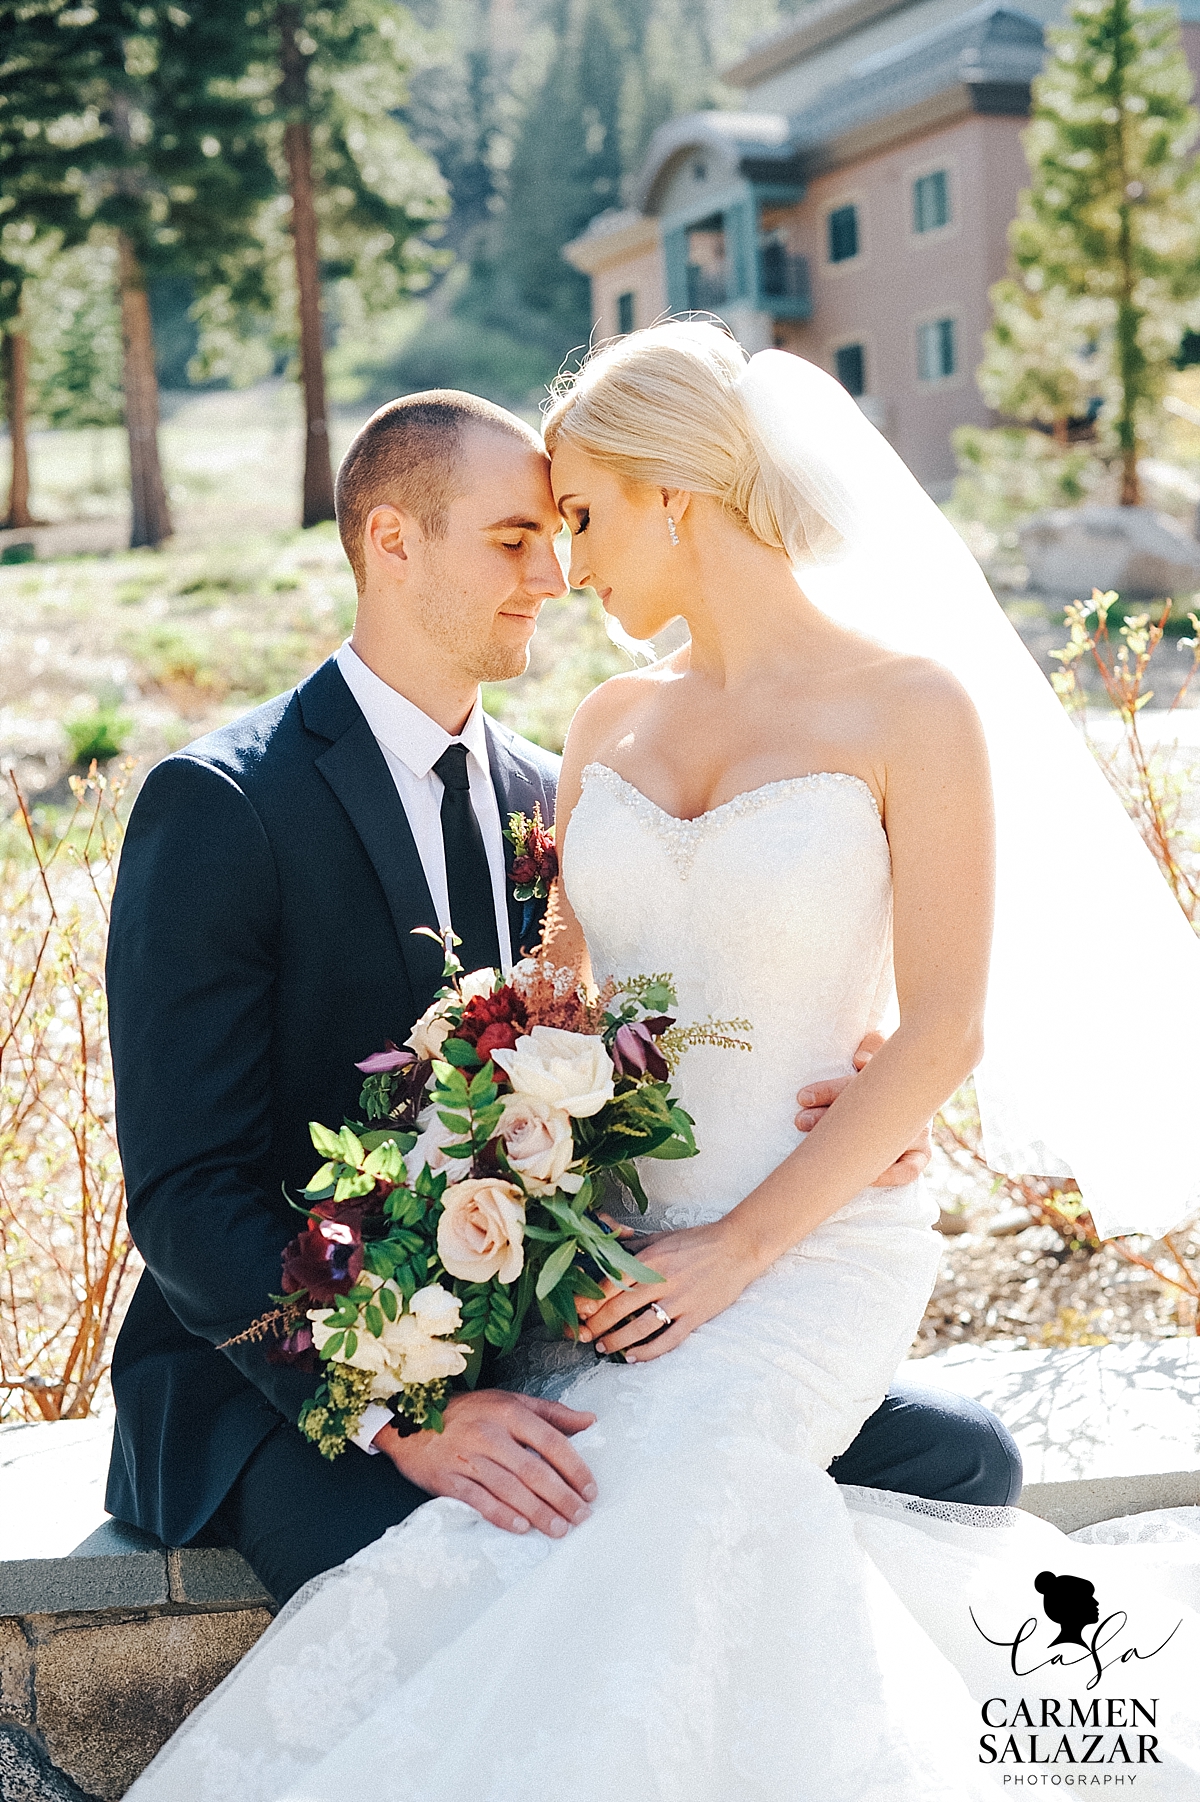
749, 797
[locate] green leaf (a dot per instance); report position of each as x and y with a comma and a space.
627, 1172
351, 1343
332, 1345
350, 1148
327, 1143
625, 1264
455, 1123
460, 1054
320, 1179
385, 1135
385, 1161
470, 1375
374, 1320
350, 1186
484, 1080
555, 1267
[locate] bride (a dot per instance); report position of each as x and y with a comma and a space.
794, 816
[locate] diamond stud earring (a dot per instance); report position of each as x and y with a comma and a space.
671, 530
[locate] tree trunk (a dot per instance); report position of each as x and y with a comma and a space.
151, 522
16, 387
297, 143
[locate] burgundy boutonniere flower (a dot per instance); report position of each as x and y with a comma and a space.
535, 860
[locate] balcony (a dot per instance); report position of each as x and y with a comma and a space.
707, 288
783, 284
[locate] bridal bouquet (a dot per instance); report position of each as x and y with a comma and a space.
469, 1193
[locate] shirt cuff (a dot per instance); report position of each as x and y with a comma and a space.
375, 1416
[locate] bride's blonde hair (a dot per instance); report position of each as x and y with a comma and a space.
661, 406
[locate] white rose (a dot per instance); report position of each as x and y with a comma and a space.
481, 1231
479, 982
369, 1354
437, 1310
538, 1140
570, 1070
422, 1358
427, 1035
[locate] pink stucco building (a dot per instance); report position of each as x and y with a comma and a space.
856, 209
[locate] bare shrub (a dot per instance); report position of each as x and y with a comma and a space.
66, 1259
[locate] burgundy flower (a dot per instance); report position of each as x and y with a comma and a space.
499, 1036
326, 1260
525, 869
634, 1051
504, 1008
391, 1058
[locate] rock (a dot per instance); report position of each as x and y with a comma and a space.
951, 1222
1142, 554
25, 1775
103, 1733
1012, 1220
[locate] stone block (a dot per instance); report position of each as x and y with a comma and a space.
1142, 554
83, 1585
109, 1696
1084, 1502
214, 1577
27, 1776
16, 1676
114, 1538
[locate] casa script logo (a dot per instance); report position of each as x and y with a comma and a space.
1064, 1735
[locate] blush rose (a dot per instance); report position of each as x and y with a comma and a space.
481, 1232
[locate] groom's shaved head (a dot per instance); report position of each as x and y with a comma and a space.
410, 455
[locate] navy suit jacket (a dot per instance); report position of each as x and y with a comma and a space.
261, 943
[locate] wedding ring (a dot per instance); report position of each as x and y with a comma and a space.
663, 1316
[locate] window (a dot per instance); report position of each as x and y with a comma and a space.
624, 313
843, 234
935, 350
707, 269
931, 201
850, 366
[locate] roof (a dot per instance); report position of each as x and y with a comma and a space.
745, 142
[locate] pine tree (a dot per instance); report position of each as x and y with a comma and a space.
1105, 247
47, 143
362, 193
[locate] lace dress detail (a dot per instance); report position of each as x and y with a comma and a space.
729, 1626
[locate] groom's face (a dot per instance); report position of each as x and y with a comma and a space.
474, 591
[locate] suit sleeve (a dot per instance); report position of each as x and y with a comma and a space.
191, 970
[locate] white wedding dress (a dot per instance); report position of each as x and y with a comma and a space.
729, 1626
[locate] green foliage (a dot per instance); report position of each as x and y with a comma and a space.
1105, 252
101, 736
1008, 473
74, 326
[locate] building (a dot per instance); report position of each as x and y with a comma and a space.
855, 211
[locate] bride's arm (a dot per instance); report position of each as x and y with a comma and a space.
938, 815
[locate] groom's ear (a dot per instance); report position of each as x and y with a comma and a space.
390, 538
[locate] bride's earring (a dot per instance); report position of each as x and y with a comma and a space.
671, 530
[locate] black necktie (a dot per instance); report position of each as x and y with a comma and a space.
468, 877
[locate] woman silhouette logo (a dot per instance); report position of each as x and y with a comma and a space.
1070, 1602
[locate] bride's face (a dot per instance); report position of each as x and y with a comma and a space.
620, 541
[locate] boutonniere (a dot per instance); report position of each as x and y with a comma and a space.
535, 860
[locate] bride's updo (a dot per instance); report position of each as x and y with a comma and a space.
662, 406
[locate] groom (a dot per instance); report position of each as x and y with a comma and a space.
262, 942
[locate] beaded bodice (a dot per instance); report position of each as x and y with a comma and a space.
774, 907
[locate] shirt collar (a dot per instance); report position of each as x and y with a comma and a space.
401, 727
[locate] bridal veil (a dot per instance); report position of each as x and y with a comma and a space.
1092, 1062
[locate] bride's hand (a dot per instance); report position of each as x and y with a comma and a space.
702, 1276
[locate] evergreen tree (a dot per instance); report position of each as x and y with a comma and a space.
1105, 247
48, 141
362, 193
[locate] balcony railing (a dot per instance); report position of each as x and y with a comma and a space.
707, 288
783, 283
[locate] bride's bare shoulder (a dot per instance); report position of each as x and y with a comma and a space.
603, 715
923, 708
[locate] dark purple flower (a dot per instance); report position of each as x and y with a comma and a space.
381, 1062
635, 1053
326, 1260
296, 1349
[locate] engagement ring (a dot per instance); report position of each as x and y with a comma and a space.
661, 1312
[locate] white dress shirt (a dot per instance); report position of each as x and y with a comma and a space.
411, 744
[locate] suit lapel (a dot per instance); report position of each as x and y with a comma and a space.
355, 769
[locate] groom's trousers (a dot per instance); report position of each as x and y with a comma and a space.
292, 1514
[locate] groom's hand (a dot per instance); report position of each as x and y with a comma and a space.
818, 1097
508, 1456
